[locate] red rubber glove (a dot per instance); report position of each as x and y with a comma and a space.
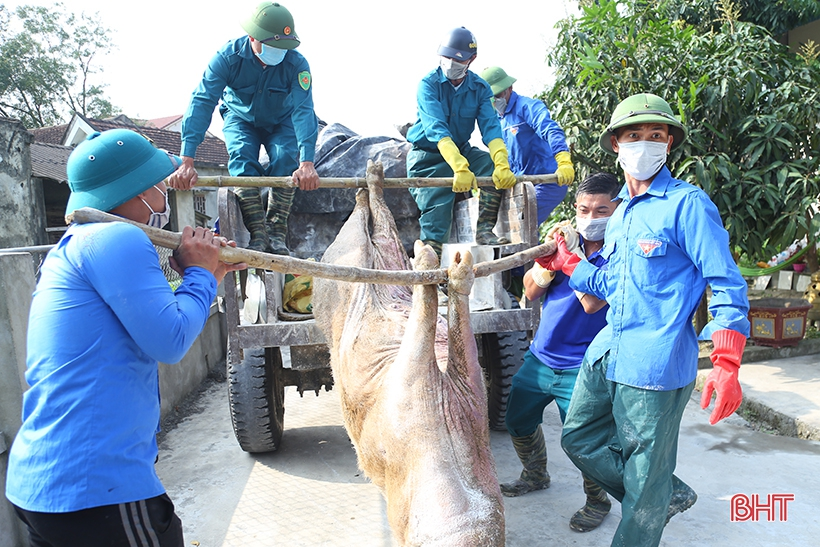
563, 260
726, 358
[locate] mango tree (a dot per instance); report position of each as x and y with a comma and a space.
752, 108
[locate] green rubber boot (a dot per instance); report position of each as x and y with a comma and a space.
489, 201
683, 497
280, 201
592, 514
532, 451
253, 215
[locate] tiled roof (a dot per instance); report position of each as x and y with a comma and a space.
53, 135
48, 160
164, 122
212, 151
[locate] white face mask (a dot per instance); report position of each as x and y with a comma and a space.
453, 70
591, 229
642, 159
159, 220
271, 56
500, 104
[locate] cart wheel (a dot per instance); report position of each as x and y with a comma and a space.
257, 399
501, 356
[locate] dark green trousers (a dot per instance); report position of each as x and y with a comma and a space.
626, 439
436, 204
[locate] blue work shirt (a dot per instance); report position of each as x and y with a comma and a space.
566, 330
101, 317
532, 136
265, 96
444, 111
663, 247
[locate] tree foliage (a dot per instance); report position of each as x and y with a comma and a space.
751, 107
47, 65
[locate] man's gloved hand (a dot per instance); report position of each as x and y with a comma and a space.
726, 358
562, 260
463, 178
540, 275
565, 171
503, 178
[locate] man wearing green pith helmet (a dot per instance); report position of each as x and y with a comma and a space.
535, 142
665, 243
267, 101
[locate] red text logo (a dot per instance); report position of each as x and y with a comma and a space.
774, 507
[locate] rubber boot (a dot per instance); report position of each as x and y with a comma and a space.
489, 201
253, 215
592, 514
532, 451
683, 497
280, 201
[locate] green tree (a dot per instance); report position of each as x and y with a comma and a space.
751, 107
47, 65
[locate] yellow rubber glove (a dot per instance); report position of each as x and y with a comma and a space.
565, 172
503, 178
463, 178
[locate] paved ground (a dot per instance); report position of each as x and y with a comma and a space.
311, 493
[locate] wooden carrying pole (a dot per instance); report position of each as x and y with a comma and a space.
298, 266
356, 182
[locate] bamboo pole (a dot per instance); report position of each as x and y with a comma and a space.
357, 182
287, 264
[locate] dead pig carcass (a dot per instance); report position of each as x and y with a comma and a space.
412, 392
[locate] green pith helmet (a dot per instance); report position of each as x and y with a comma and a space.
497, 78
272, 24
642, 108
109, 168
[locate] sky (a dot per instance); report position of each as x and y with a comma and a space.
366, 56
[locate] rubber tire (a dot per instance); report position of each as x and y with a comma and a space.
502, 354
256, 396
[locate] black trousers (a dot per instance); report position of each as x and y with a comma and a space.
144, 523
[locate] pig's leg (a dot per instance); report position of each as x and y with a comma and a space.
463, 355
390, 253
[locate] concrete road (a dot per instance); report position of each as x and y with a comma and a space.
311, 493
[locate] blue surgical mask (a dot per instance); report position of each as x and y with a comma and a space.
271, 56
592, 229
453, 70
159, 220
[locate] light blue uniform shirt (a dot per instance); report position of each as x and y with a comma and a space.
265, 96
532, 136
663, 247
444, 111
102, 315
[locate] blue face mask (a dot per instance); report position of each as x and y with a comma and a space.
271, 56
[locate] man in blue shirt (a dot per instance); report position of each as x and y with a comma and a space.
665, 243
267, 100
81, 469
451, 100
569, 322
535, 142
